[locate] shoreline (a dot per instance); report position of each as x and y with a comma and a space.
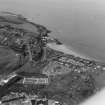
68, 50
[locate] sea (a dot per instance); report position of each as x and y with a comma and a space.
79, 24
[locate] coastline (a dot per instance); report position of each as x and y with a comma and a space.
68, 50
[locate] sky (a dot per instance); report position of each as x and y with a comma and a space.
77, 23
